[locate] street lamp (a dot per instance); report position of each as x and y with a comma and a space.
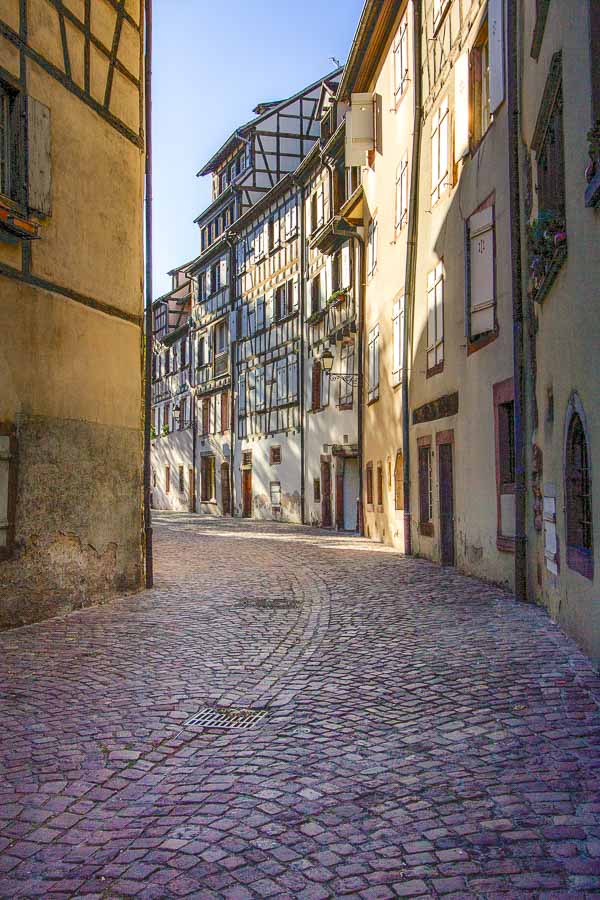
177, 413
326, 360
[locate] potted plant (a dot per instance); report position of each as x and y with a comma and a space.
152, 433
545, 236
165, 430
336, 297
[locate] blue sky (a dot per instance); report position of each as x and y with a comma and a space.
213, 62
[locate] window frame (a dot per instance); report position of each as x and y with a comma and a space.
398, 325
369, 484
435, 343
374, 364
484, 338
580, 557
477, 81
440, 181
400, 56
372, 247
401, 212
425, 486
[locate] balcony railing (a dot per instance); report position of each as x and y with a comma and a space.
336, 318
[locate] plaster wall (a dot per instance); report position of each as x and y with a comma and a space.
264, 473
172, 450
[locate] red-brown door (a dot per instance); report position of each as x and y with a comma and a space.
326, 494
225, 489
446, 504
247, 493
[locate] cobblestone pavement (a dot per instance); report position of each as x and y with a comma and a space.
426, 735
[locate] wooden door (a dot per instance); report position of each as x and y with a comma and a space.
225, 489
326, 494
446, 504
247, 493
191, 490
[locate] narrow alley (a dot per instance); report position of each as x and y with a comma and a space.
423, 735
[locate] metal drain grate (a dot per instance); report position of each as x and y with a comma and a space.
268, 603
226, 717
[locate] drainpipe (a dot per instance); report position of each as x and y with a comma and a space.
233, 346
360, 243
512, 40
302, 286
411, 266
148, 299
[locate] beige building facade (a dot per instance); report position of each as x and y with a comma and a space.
71, 282
560, 192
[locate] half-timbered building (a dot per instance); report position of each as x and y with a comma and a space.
173, 405
268, 358
71, 274
332, 372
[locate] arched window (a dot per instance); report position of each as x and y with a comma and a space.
578, 500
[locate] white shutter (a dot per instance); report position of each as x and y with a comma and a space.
481, 258
496, 44
328, 277
277, 223
39, 158
294, 217
461, 106
431, 319
309, 224
346, 266
396, 342
267, 243
439, 313
270, 310
244, 321
320, 206
323, 295
444, 128
360, 131
295, 292
223, 271
233, 335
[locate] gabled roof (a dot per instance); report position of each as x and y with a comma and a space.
243, 131
373, 32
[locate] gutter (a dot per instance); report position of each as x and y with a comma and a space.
303, 344
149, 560
410, 271
232, 371
519, 374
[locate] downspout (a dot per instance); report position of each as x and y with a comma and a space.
301, 386
232, 345
360, 243
411, 266
148, 298
194, 445
512, 40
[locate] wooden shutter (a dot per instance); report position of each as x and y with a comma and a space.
360, 129
399, 481
223, 271
461, 107
496, 44
481, 267
346, 276
316, 384
295, 292
39, 176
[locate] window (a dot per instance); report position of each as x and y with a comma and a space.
317, 490
372, 247
399, 481
215, 278
284, 300
578, 495
183, 354
352, 180
550, 161
206, 415
201, 352
275, 493
481, 282
291, 221
374, 363
207, 476
167, 362
439, 151
275, 455
260, 313
221, 337
425, 490
379, 484
8, 143
369, 481
313, 213
402, 193
504, 420
398, 341
480, 86
181, 480
435, 320
346, 387
316, 385
8, 489
246, 458
315, 294
167, 480
202, 291
224, 412
401, 59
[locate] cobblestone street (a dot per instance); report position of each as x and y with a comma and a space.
425, 735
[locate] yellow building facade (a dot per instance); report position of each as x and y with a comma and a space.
71, 303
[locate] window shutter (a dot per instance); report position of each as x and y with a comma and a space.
461, 107
320, 206
309, 223
316, 384
431, 319
439, 313
346, 278
496, 44
270, 311
39, 180
444, 140
296, 292
233, 317
481, 267
224, 271
244, 333
360, 130
396, 341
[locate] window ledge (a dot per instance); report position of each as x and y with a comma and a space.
540, 292
481, 341
582, 561
372, 400
435, 370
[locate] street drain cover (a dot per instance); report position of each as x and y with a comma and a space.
268, 603
226, 717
